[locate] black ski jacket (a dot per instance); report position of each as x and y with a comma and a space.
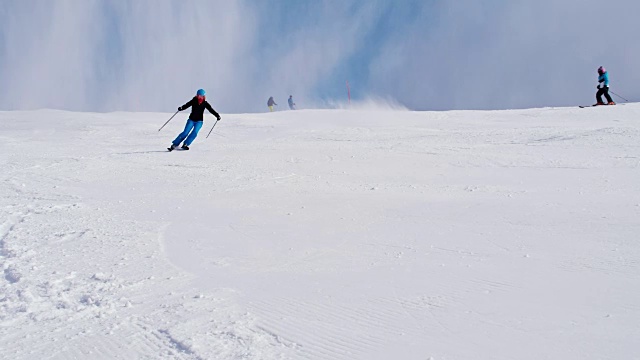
197, 110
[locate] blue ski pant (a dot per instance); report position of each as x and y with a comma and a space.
190, 132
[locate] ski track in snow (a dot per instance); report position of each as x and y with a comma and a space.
322, 235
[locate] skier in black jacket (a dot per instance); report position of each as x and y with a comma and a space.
270, 103
194, 124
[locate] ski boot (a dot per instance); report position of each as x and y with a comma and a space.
170, 148
598, 103
184, 147
611, 103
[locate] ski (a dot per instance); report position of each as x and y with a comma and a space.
586, 106
183, 148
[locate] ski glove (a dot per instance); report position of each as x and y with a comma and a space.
219, 118
179, 108
598, 86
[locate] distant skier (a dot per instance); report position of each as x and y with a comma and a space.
270, 103
292, 105
194, 123
603, 87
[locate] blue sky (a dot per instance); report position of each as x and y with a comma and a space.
151, 55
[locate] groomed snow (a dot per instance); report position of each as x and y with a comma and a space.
322, 234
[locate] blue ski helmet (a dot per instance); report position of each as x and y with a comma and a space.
201, 92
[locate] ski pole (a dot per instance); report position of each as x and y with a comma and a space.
214, 125
618, 96
168, 120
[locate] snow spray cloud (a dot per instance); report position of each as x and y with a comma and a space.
120, 55
151, 55
144, 55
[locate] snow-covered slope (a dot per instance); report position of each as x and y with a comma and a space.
322, 234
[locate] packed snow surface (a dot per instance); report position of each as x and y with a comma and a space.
322, 234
